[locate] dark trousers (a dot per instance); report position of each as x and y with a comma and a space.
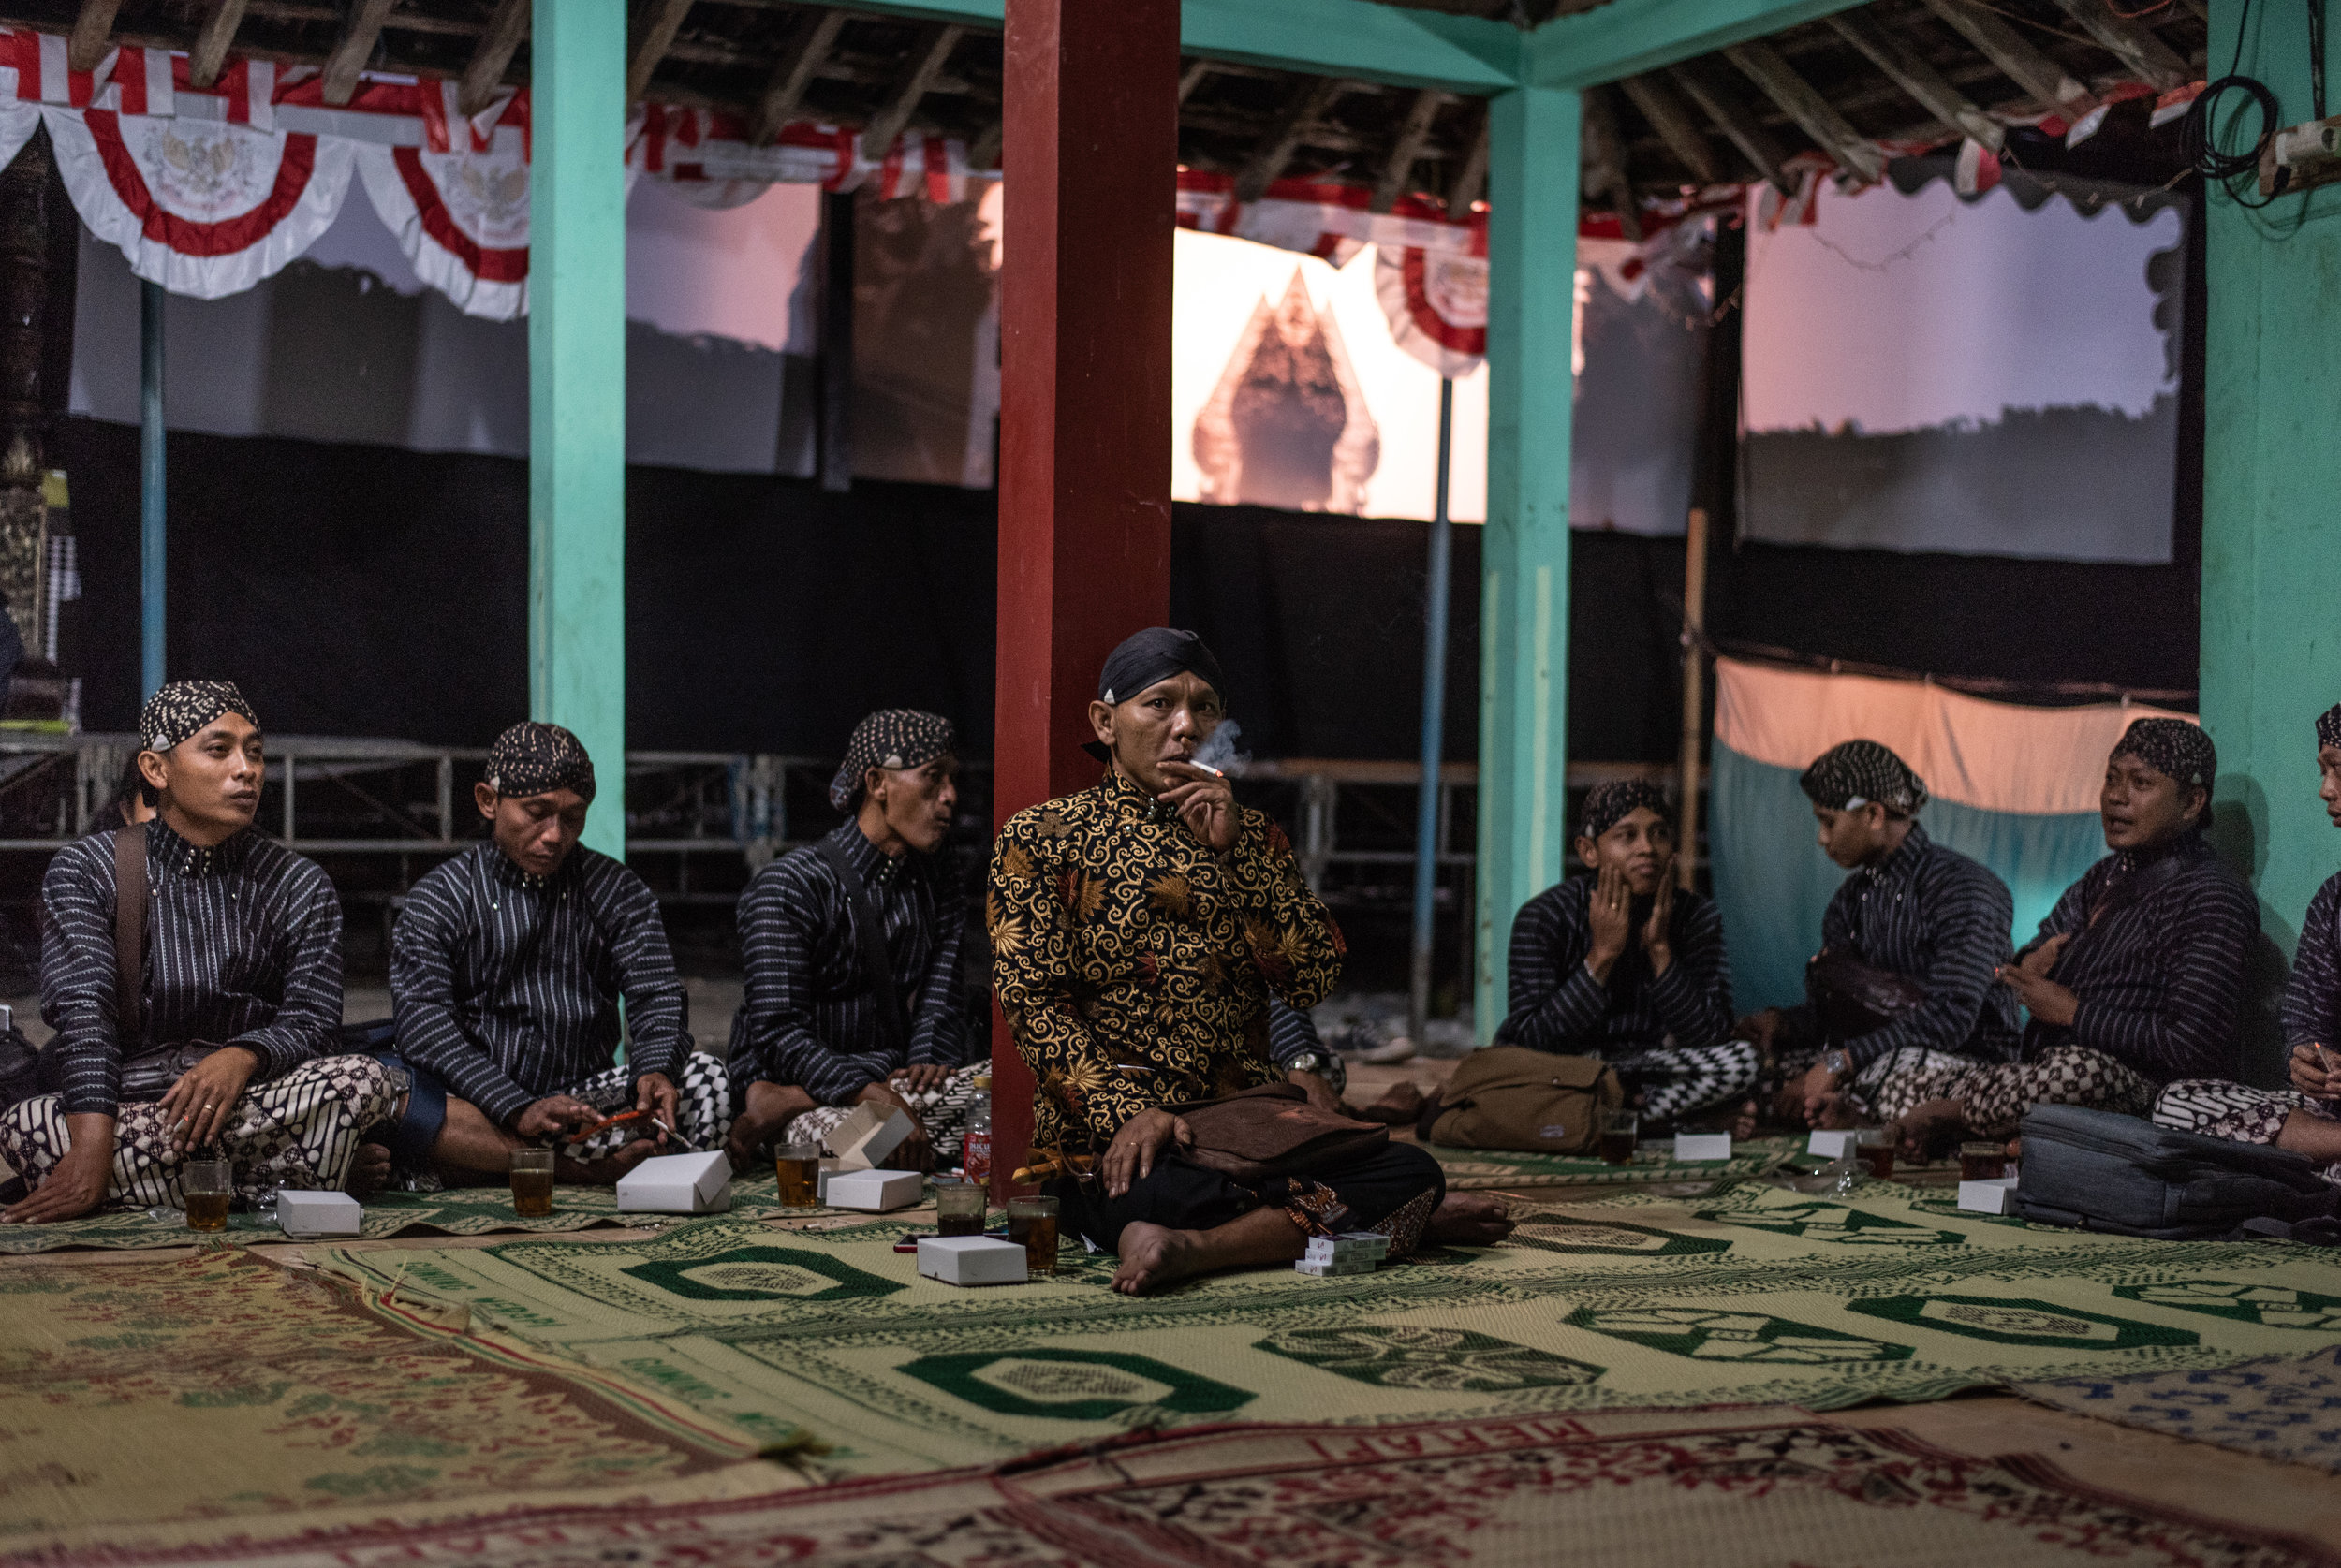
1183, 1195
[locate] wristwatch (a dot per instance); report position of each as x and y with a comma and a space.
1839, 1065
1325, 1064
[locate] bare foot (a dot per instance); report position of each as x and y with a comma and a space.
1468, 1220
369, 1171
1744, 1125
1153, 1256
1400, 1103
1926, 1133
605, 1171
1836, 1113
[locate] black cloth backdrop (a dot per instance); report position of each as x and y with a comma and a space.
355, 590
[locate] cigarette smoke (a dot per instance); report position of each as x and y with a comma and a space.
1220, 751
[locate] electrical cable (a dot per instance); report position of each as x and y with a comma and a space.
2203, 153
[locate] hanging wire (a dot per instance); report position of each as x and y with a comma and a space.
2204, 151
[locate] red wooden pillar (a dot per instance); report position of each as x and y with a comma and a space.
1091, 161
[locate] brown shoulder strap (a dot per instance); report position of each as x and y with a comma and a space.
129, 937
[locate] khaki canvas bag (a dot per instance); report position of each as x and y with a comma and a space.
1530, 1101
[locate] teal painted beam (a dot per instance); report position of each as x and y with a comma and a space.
1357, 39
1627, 38
2272, 464
1524, 550
577, 390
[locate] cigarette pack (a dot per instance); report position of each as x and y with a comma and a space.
1690, 1148
307, 1216
874, 1192
1994, 1195
1355, 1251
677, 1184
1832, 1145
866, 1137
972, 1260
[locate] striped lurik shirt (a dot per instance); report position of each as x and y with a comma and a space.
243, 947
2161, 981
2312, 997
1941, 919
505, 985
809, 1016
1557, 1005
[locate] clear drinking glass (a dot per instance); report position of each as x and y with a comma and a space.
1875, 1148
798, 1166
1621, 1130
959, 1208
532, 1183
1982, 1161
208, 1186
1033, 1222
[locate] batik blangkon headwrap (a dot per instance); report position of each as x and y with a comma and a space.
2172, 746
889, 738
1856, 773
2328, 726
532, 759
1608, 804
183, 708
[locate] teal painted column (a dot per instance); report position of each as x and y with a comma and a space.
1523, 605
2271, 468
577, 390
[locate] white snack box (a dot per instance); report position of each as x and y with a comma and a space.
874, 1192
1689, 1147
1832, 1144
307, 1216
677, 1184
972, 1260
1994, 1195
864, 1139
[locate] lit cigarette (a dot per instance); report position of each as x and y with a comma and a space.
1206, 768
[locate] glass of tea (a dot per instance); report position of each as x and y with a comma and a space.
799, 1167
532, 1183
1033, 1222
208, 1186
959, 1208
1621, 1130
1875, 1148
1982, 1161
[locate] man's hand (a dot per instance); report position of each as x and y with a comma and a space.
554, 1113
2043, 958
1613, 923
76, 1183
1205, 802
920, 1077
654, 1092
769, 1109
198, 1107
1818, 1081
1130, 1157
2313, 1072
914, 1152
1653, 931
1320, 1093
2046, 999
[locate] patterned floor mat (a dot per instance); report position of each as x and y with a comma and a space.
221, 1385
2282, 1408
1750, 1489
1497, 1169
460, 1212
1754, 1295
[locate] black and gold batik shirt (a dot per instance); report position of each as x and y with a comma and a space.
1134, 965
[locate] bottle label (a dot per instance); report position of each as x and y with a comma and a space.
978, 1157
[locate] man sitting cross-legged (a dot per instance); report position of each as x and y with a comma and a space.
1911, 909
2137, 977
818, 1031
507, 969
2305, 1118
1622, 966
1138, 930
225, 1041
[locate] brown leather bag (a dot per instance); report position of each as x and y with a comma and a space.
1529, 1101
1273, 1131
146, 1075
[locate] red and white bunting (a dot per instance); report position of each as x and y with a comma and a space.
1322, 219
205, 208
707, 158
462, 217
1436, 302
1977, 168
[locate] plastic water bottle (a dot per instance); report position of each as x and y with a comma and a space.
976, 1155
